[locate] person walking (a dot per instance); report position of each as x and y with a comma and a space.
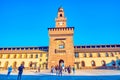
60, 70
57, 70
73, 69
20, 69
9, 71
39, 69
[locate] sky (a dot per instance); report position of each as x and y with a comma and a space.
26, 22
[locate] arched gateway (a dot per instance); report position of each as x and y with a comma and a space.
61, 62
61, 42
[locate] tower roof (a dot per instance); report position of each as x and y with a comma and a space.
60, 9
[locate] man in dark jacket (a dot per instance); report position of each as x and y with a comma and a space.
20, 69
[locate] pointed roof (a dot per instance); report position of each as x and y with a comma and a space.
60, 9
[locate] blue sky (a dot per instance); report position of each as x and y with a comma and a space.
26, 22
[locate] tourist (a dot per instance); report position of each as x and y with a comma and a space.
65, 69
52, 69
39, 69
9, 71
113, 64
62, 64
60, 70
73, 69
57, 69
118, 63
69, 69
20, 69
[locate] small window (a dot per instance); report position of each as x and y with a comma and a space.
76, 55
36, 55
9, 48
60, 15
90, 55
85, 55
18, 48
31, 56
61, 46
1, 48
98, 55
103, 63
31, 48
106, 55
8, 56
40, 59
20, 55
15, 55
46, 55
115, 53
40, 54
83, 46
1, 55
22, 48
112, 54
13, 48
0, 63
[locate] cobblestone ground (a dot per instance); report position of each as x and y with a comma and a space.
53, 77
79, 75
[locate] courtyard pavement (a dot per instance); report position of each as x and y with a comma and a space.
79, 75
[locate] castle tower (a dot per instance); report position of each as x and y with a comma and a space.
60, 20
61, 48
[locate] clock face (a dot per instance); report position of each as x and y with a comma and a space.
61, 23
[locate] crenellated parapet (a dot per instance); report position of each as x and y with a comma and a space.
61, 31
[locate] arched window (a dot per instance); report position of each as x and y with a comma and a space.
1, 55
0, 63
106, 55
8, 55
30, 64
76, 55
6, 64
84, 55
36, 56
60, 15
14, 56
25, 55
20, 55
98, 55
14, 64
111, 54
90, 55
31, 56
93, 63
60, 44
103, 63
82, 64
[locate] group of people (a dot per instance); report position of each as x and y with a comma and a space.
60, 69
20, 71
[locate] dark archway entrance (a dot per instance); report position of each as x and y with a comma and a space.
61, 62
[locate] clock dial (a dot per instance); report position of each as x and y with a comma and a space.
61, 23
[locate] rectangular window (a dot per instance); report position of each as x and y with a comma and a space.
40, 54
46, 55
76, 55
31, 56
36, 55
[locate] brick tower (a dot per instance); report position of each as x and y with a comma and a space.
61, 48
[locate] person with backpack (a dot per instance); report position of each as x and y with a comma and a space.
9, 71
